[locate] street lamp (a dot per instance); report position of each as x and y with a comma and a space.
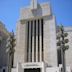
61, 37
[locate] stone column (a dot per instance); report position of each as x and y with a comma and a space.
36, 41
33, 43
40, 43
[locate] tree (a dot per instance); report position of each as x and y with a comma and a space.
10, 49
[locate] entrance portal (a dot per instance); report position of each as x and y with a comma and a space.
32, 70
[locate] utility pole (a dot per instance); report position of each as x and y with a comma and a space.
61, 43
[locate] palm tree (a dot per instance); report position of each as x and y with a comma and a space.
10, 50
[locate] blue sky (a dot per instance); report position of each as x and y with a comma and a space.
10, 11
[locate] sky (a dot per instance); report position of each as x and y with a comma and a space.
10, 11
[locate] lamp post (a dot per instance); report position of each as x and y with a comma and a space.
61, 43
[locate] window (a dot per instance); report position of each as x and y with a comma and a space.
3, 70
35, 39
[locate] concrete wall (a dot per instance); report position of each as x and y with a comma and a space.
28, 13
43, 11
3, 54
69, 51
20, 50
50, 50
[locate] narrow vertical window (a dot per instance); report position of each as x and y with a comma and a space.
31, 39
35, 28
27, 40
35, 40
38, 40
42, 38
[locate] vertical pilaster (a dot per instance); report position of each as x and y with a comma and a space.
36, 41
40, 42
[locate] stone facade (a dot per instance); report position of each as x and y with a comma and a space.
3, 55
68, 53
42, 11
27, 39
35, 41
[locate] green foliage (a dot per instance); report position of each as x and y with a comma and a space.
61, 37
11, 43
